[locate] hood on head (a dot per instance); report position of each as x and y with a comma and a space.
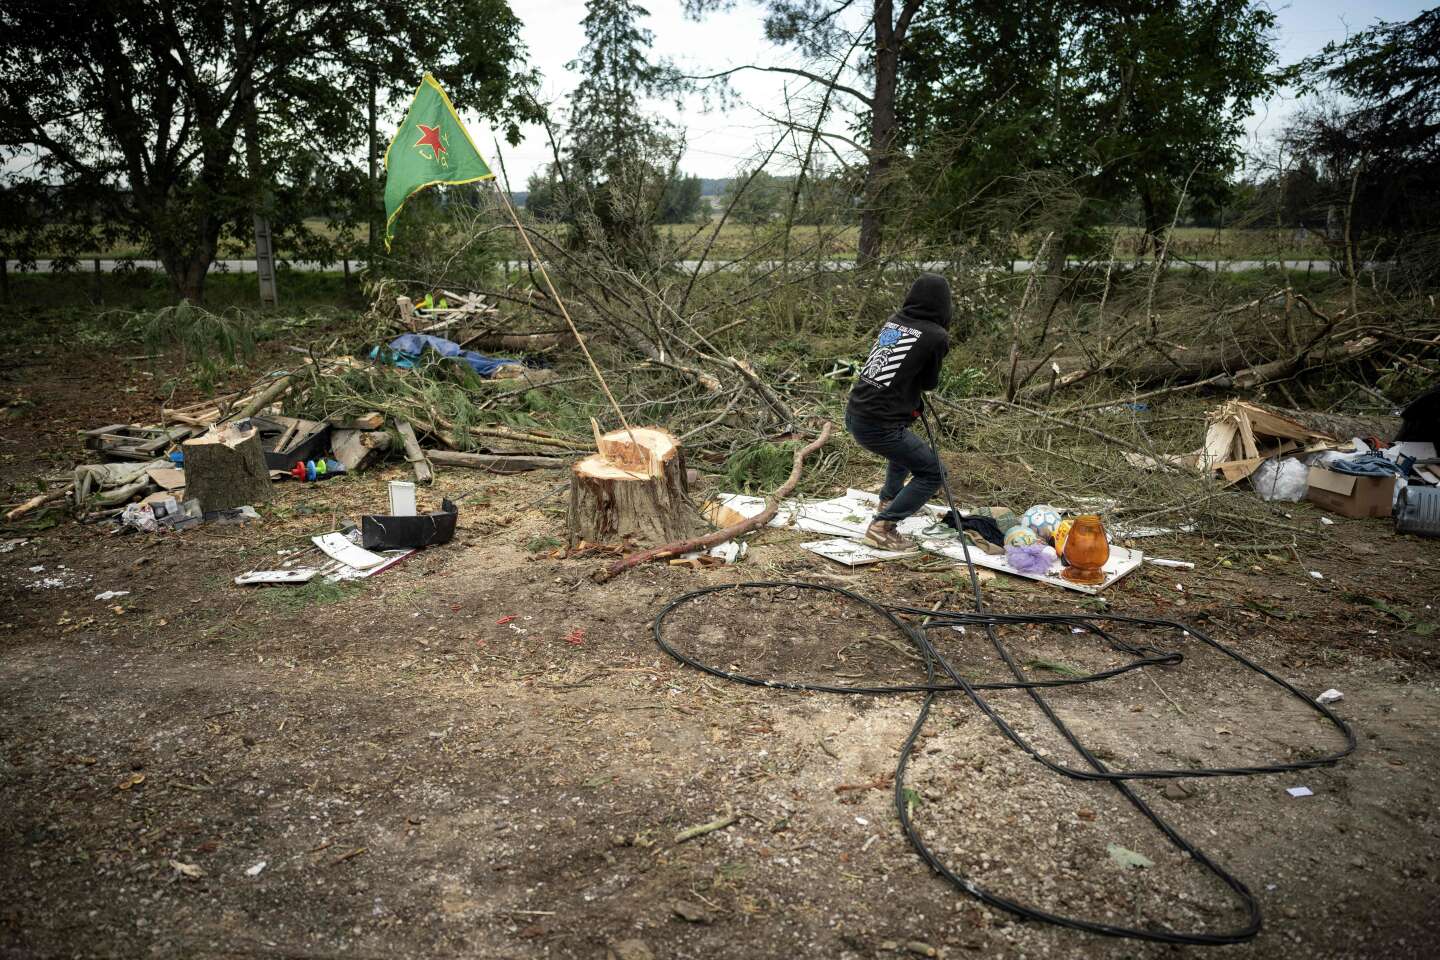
929, 299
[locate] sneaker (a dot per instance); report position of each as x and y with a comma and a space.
882, 535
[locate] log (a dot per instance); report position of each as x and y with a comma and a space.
357, 448
530, 342
493, 462
635, 487
369, 421
413, 453
37, 501
225, 468
772, 506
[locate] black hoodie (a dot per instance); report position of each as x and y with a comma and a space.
905, 360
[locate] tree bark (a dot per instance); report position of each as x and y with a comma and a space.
225, 469
632, 490
772, 506
882, 131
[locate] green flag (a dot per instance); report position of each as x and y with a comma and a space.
432, 146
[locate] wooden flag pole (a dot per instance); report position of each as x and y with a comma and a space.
550, 286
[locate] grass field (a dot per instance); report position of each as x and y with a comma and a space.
737, 240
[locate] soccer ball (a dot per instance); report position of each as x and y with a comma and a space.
1019, 536
1043, 519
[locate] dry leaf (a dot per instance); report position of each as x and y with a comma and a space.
187, 870
134, 780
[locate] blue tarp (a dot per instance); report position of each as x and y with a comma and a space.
408, 348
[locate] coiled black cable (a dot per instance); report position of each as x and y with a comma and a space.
932, 687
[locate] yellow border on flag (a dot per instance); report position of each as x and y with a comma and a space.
445, 98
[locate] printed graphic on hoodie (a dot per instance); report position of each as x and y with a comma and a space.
888, 353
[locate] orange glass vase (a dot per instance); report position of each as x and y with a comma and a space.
1086, 550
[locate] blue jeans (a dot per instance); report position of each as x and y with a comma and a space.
906, 455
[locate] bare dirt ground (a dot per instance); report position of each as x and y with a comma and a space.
387, 770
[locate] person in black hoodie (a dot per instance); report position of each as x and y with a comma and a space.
888, 397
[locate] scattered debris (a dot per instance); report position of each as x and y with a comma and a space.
338, 547
689, 912
402, 498
629, 950
1178, 564
126, 442
1350, 495
854, 553
1241, 436
112, 594
409, 531
1330, 696
1174, 790
255, 870
187, 870
1128, 858
720, 823
1299, 791
277, 578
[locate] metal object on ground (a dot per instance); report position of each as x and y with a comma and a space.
1417, 511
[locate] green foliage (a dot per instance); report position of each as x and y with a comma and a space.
620, 163
447, 237
318, 592
760, 467
542, 544
1384, 142
754, 197
188, 118
966, 382
1116, 100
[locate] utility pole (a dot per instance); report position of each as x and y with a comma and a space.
264, 246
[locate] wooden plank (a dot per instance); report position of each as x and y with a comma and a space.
1248, 447
368, 421
413, 453
1219, 443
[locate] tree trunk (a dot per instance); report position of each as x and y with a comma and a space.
632, 490
882, 132
190, 281
226, 468
1154, 226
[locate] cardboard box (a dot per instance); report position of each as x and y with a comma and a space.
1349, 495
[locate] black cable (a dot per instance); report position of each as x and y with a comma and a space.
1143, 656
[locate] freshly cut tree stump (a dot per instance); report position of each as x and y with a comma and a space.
634, 488
225, 468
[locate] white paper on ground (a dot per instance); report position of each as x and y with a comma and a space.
335, 571
1330, 696
276, 578
846, 516
1122, 562
337, 546
1300, 791
853, 553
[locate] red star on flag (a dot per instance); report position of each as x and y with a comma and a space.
430, 137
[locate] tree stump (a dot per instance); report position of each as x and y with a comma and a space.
225, 468
632, 488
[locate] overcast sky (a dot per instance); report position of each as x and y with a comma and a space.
719, 142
